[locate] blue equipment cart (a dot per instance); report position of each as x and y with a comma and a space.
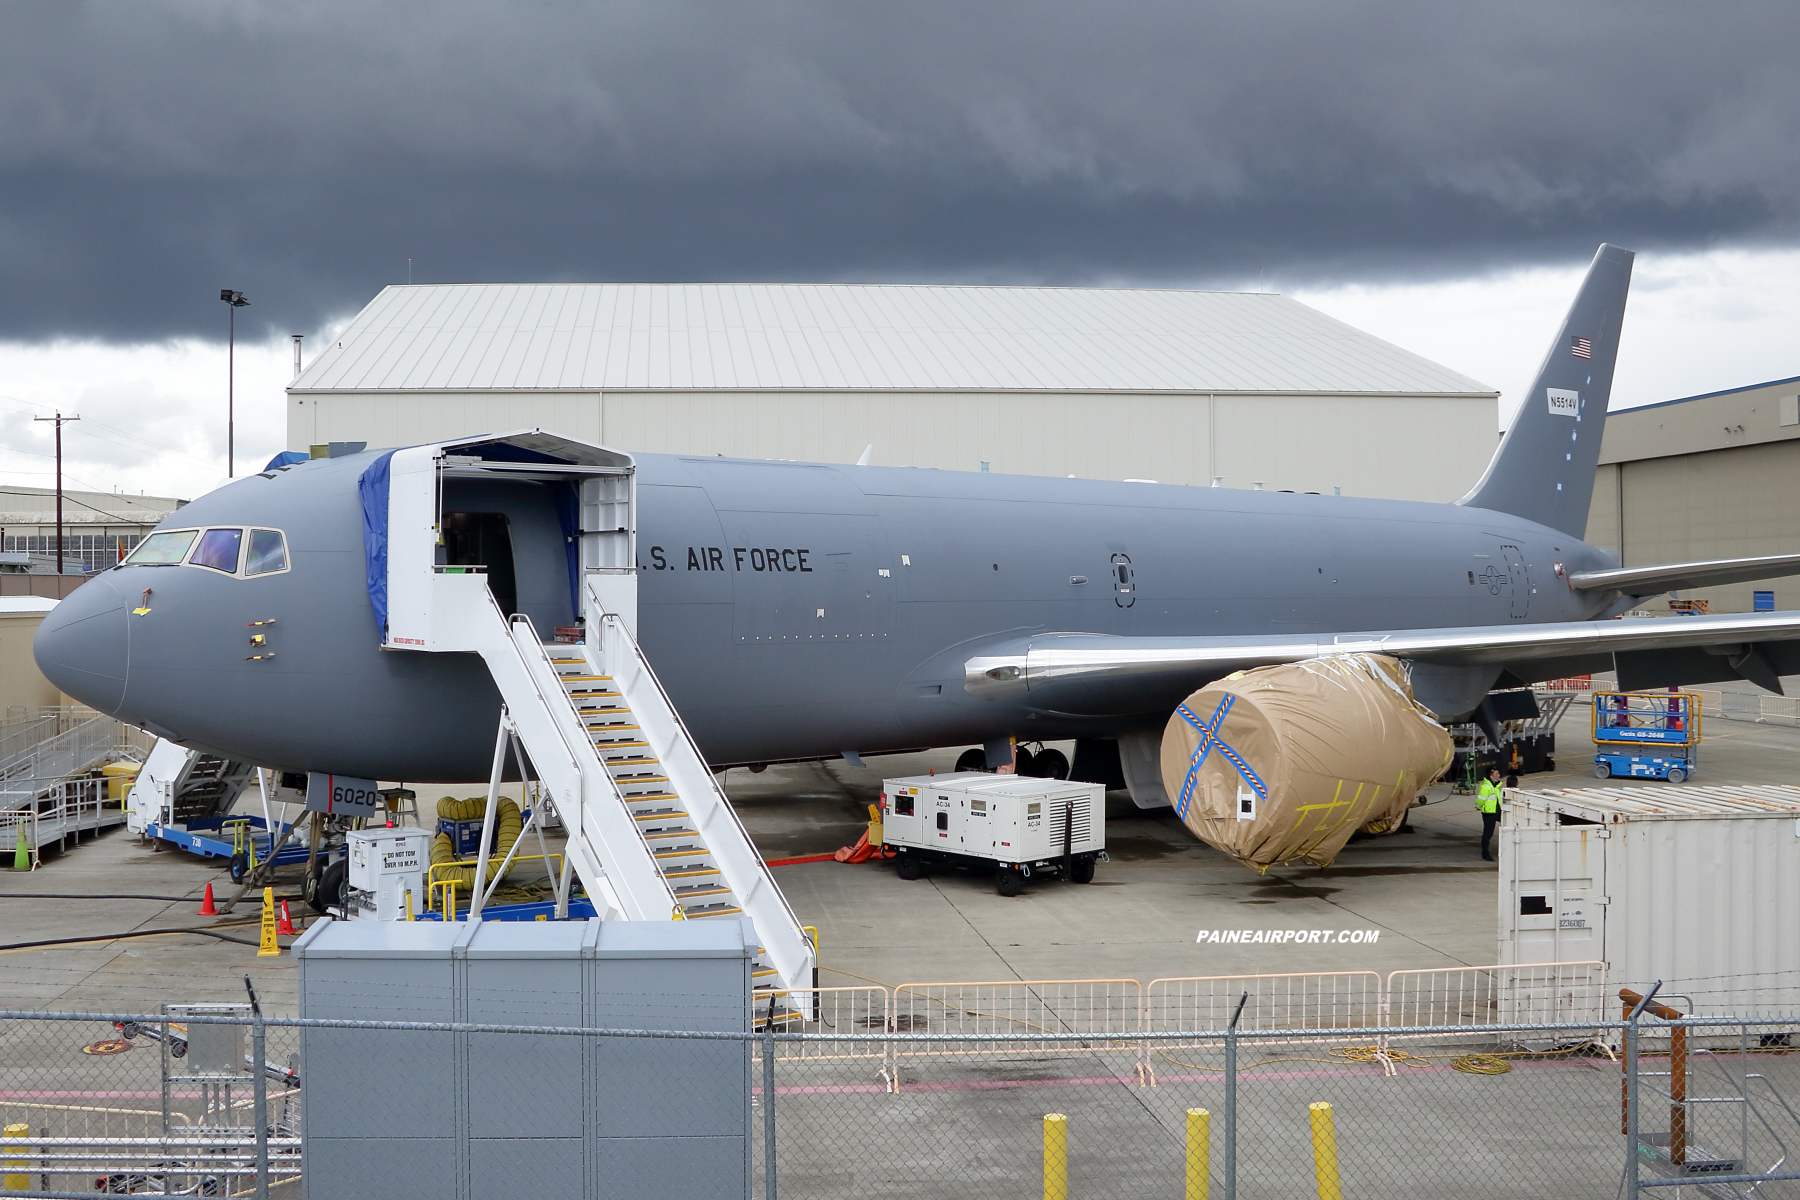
1646, 735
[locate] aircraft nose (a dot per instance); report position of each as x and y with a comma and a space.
84, 645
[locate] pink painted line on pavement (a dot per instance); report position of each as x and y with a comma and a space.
1248, 1076
49, 1095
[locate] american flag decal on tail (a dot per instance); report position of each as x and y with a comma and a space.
1581, 347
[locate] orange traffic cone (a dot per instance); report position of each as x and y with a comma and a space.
206, 905
286, 928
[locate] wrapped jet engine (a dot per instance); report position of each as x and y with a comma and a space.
1282, 764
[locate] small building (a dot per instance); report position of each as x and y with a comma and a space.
1245, 389
1710, 476
24, 692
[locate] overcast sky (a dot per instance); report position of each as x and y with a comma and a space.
1436, 173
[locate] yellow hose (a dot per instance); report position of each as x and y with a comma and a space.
507, 827
452, 809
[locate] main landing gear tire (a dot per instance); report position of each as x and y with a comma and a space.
1009, 883
972, 760
1047, 764
907, 867
334, 884
329, 887
1602, 771
1082, 871
1676, 775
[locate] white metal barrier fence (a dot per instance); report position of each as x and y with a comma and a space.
1523, 993
1781, 708
1315, 1000
1117, 1019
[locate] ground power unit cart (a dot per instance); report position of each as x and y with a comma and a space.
1017, 827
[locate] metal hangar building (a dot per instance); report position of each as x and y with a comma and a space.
1709, 476
1245, 389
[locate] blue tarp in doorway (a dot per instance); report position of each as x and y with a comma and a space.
372, 486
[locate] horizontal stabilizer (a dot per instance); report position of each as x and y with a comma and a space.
1647, 581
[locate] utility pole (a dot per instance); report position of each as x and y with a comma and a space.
234, 301
60, 422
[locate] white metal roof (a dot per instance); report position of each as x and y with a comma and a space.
595, 337
1665, 802
14, 605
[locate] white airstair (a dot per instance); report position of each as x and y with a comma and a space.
650, 832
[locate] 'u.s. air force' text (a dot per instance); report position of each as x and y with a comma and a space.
751, 558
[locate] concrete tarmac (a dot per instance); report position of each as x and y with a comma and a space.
1425, 893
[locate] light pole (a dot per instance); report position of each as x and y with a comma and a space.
233, 301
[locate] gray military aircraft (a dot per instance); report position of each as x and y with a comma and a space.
799, 611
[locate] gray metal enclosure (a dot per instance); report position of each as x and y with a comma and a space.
467, 1114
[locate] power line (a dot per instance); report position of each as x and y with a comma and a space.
121, 432
117, 518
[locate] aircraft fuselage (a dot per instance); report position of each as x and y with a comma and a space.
792, 610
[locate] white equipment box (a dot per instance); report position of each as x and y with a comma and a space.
1023, 825
387, 869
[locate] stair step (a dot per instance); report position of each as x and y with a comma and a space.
665, 834
699, 853
786, 1014
587, 678
672, 814
714, 910
600, 743
764, 971
640, 797
702, 889
689, 872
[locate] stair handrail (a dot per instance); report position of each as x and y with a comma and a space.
587, 760
793, 973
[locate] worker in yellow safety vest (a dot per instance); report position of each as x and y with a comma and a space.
1488, 801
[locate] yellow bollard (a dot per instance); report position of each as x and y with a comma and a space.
1325, 1166
269, 948
1056, 1157
12, 1182
1199, 1154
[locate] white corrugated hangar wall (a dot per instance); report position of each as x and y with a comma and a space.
1175, 386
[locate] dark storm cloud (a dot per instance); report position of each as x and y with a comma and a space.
151, 153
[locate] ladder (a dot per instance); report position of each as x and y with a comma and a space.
651, 834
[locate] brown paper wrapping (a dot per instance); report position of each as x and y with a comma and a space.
1320, 748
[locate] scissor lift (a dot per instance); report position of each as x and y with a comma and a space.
1646, 735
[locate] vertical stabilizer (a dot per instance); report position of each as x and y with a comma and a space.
1544, 469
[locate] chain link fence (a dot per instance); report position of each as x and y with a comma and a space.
924, 1092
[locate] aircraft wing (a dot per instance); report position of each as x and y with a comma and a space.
1647, 581
1091, 673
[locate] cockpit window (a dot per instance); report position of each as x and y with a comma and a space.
169, 547
218, 549
268, 552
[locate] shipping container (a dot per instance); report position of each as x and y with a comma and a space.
1698, 887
